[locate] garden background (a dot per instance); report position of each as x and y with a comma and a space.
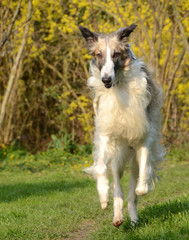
44, 65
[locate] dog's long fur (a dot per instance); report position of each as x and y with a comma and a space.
127, 106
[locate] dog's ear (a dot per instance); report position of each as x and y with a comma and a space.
89, 36
123, 33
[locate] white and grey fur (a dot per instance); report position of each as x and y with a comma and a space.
127, 105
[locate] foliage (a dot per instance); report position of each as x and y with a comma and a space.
50, 96
64, 154
178, 154
71, 157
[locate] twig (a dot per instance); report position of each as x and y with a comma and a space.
120, 15
13, 72
28, 19
169, 89
10, 31
175, 71
69, 87
184, 38
7, 34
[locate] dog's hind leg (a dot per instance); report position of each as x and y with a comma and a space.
145, 168
132, 197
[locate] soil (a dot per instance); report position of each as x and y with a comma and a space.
82, 233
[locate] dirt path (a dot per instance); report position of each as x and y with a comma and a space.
82, 233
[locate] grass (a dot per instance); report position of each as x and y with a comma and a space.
43, 205
62, 202
163, 214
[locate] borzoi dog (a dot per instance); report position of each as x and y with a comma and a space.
127, 106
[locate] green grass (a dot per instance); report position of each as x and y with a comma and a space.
62, 203
44, 205
163, 214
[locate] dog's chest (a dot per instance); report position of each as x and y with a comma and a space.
122, 113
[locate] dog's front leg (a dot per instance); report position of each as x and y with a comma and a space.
132, 198
118, 195
145, 168
101, 160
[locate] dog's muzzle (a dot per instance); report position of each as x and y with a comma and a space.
107, 81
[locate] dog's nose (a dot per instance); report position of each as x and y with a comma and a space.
106, 80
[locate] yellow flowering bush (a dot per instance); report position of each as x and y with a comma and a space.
51, 93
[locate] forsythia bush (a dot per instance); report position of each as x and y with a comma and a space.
51, 96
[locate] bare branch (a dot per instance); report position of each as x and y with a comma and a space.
143, 26
167, 58
13, 72
28, 19
10, 31
7, 34
59, 74
120, 15
169, 89
184, 38
175, 71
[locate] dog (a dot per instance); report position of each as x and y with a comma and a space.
127, 105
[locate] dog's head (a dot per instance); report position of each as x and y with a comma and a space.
110, 52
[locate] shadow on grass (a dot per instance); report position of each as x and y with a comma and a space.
158, 211
13, 192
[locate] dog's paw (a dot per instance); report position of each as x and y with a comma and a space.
143, 188
118, 220
134, 222
104, 205
117, 223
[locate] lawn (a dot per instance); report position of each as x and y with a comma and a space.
62, 203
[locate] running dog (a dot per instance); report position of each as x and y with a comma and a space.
127, 105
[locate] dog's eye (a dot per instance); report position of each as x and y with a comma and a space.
99, 55
116, 54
